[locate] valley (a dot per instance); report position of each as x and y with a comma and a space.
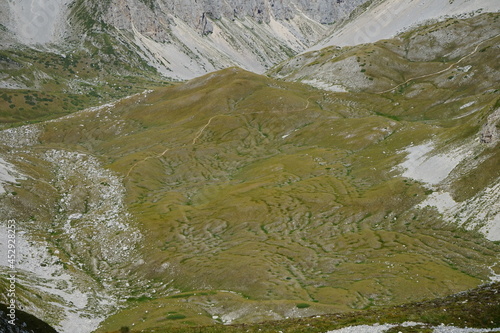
353, 178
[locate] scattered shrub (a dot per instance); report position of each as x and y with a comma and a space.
176, 316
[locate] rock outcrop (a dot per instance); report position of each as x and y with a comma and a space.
490, 132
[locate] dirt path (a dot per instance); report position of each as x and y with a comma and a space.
145, 159
200, 132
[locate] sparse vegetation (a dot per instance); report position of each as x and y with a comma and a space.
303, 305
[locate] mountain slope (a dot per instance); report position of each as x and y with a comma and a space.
43, 84
476, 308
234, 197
329, 230
63, 56
385, 19
427, 54
422, 69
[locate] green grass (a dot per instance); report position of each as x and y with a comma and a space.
316, 216
302, 305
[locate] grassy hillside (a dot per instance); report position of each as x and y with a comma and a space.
239, 198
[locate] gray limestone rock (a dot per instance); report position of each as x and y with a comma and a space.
207, 26
194, 12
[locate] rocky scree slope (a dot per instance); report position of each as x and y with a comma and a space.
184, 39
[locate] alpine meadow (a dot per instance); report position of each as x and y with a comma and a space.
249, 166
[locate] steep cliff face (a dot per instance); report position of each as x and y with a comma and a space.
263, 11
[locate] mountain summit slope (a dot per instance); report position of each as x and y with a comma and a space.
382, 19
